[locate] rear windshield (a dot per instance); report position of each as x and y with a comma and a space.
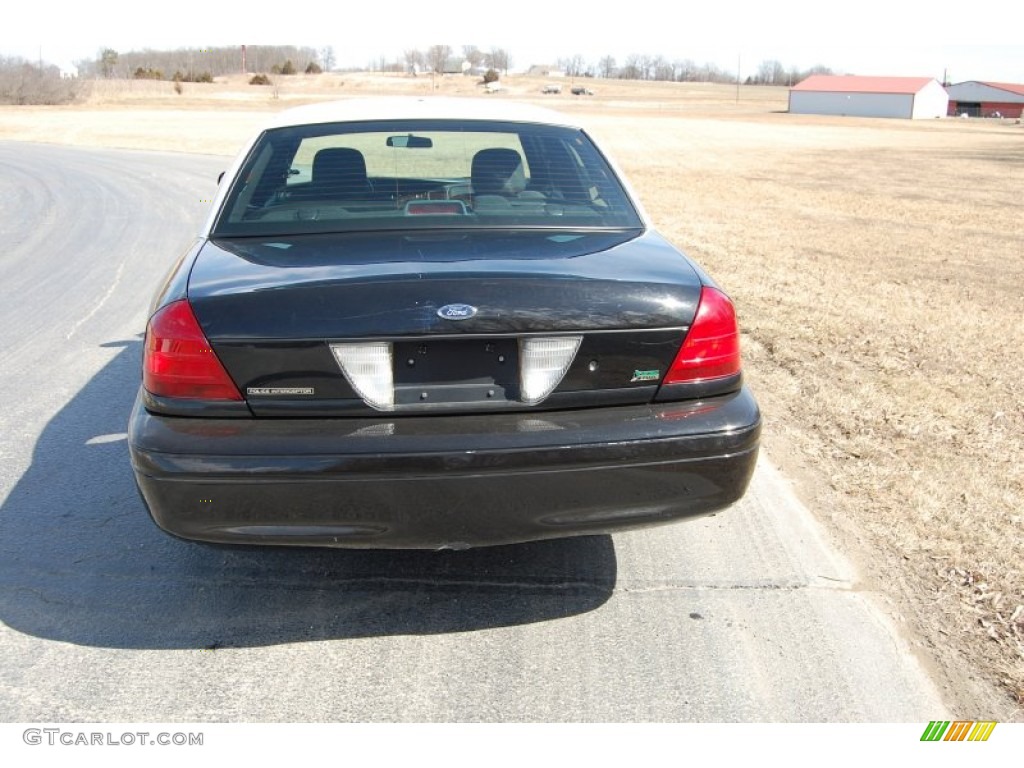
442, 174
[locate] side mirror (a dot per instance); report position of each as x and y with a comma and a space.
220, 176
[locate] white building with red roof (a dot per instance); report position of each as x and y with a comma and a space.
907, 97
986, 99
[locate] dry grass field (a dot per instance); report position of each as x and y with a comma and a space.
879, 274
878, 269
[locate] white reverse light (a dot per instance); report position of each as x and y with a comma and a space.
367, 366
543, 362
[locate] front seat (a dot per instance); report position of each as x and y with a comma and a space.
339, 173
497, 171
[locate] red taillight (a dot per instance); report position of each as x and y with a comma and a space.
712, 347
178, 360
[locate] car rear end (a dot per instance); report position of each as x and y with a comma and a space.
452, 348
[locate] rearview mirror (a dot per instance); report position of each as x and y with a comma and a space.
410, 142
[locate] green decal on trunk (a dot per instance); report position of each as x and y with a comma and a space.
645, 376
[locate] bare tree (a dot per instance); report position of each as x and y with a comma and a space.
327, 58
499, 59
712, 73
632, 69
771, 72
108, 61
686, 70
606, 66
643, 66
661, 69
414, 60
574, 65
25, 83
473, 55
437, 56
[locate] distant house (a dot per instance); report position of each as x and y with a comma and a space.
906, 97
455, 66
984, 99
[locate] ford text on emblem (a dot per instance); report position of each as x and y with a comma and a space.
456, 311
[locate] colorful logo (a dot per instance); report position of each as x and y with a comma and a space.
959, 730
645, 376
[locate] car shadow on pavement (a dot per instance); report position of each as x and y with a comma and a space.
81, 561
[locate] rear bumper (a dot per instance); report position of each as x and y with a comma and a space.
443, 481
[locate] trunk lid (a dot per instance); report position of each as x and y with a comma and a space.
454, 308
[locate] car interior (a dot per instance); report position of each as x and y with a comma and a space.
455, 178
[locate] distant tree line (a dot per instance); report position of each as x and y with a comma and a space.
441, 59
22, 82
772, 72
639, 66
445, 58
203, 64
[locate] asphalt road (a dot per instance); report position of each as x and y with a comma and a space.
746, 616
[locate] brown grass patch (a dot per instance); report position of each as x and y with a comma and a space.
878, 268
879, 272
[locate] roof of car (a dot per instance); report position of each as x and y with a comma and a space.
426, 108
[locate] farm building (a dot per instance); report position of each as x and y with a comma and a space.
909, 97
979, 99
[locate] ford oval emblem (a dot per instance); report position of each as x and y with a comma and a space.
456, 312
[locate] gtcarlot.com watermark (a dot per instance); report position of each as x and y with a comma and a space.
59, 737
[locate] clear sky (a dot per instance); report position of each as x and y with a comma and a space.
976, 41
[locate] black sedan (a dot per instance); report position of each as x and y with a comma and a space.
435, 324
